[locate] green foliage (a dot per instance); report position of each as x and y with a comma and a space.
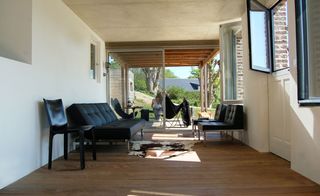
177, 94
114, 65
139, 80
195, 73
170, 74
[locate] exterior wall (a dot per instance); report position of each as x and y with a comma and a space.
304, 123
255, 100
59, 69
116, 82
15, 30
281, 37
239, 62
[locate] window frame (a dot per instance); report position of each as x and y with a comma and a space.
272, 35
233, 27
304, 98
269, 34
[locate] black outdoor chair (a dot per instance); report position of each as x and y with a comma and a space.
59, 125
118, 109
173, 112
185, 110
233, 121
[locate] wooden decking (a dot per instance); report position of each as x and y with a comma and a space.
225, 168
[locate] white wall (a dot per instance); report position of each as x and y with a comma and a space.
59, 69
255, 100
15, 31
305, 124
303, 121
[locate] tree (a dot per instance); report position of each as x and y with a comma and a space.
195, 73
169, 74
214, 71
214, 82
139, 80
152, 78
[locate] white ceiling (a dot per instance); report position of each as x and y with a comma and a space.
157, 20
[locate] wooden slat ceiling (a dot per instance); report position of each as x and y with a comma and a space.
173, 57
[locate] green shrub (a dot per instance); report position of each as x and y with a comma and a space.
177, 94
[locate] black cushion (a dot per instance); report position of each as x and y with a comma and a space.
120, 129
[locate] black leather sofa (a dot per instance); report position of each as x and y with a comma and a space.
107, 125
233, 121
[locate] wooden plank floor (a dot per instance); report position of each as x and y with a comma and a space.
226, 168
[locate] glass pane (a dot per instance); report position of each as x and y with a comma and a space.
231, 58
93, 61
313, 42
259, 40
280, 36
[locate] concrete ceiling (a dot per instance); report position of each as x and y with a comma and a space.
157, 20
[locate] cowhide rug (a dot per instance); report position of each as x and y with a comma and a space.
160, 149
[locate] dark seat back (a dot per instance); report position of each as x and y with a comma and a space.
97, 114
220, 112
172, 109
117, 107
185, 110
55, 112
234, 116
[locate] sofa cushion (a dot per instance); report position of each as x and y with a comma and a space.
119, 129
106, 112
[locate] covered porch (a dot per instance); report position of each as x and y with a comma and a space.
161, 55
59, 49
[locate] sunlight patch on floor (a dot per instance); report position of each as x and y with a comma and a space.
154, 193
168, 155
171, 136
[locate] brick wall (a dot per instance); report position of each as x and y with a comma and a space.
239, 64
281, 58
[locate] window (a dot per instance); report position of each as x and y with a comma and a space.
259, 36
280, 38
95, 61
268, 36
92, 61
231, 59
308, 51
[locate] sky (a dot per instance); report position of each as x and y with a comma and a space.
181, 72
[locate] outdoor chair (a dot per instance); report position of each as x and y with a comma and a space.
219, 116
173, 112
59, 125
233, 121
118, 109
185, 110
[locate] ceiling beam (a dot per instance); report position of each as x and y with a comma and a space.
190, 44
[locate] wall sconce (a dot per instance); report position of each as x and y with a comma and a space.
107, 67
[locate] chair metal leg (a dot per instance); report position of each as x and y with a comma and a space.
65, 146
141, 133
94, 152
81, 146
128, 143
205, 137
50, 150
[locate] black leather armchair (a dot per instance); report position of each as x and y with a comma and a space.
233, 121
59, 125
218, 117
